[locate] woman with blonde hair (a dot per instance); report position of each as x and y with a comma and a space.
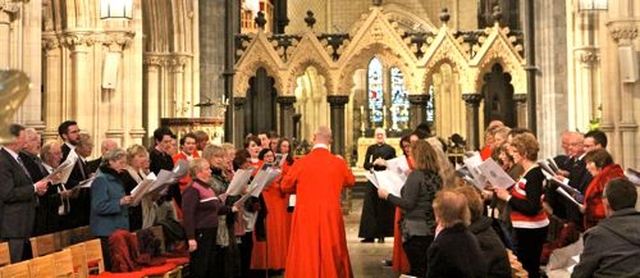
418, 221
529, 220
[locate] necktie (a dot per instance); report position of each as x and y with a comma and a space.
23, 168
41, 167
82, 170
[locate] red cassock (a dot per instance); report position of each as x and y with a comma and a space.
399, 260
278, 227
318, 244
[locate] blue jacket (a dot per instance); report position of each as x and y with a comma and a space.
107, 214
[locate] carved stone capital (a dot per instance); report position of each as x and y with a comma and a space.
286, 100
50, 43
419, 99
623, 31
337, 100
78, 40
588, 55
152, 60
11, 8
118, 40
177, 61
239, 101
520, 98
472, 99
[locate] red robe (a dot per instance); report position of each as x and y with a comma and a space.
398, 257
318, 244
594, 208
183, 182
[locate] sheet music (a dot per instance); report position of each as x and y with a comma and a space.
65, 168
163, 179
569, 197
390, 181
142, 188
633, 176
86, 183
239, 181
472, 162
372, 178
265, 179
280, 159
400, 166
495, 174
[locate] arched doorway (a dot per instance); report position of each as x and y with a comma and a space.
497, 92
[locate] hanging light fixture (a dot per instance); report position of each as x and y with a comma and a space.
592, 5
116, 9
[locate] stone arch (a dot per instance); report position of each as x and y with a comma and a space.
435, 66
299, 67
407, 19
166, 25
387, 55
243, 74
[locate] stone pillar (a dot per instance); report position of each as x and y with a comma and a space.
238, 121
286, 115
80, 111
212, 57
521, 110
150, 92
624, 33
182, 102
337, 123
121, 102
337, 147
472, 102
52, 86
8, 13
418, 109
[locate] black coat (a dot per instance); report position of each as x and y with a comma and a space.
493, 251
455, 253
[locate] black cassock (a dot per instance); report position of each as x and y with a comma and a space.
377, 216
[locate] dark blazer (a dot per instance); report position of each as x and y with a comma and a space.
18, 199
33, 165
455, 253
65, 152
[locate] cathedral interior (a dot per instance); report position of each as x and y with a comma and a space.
230, 68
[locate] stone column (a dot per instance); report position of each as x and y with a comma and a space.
624, 33
78, 43
238, 121
286, 115
521, 110
122, 104
150, 92
418, 109
472, 102
52, 86
337, 122
8, 13
181, 104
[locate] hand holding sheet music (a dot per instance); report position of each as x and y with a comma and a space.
239, 181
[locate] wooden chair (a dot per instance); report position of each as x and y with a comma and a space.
5, 256
93, 254
79, 260
43, 245
17, 270
63, 239
41, 267
63, 264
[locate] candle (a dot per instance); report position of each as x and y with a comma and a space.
361, 111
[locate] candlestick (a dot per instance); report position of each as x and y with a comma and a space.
384, 117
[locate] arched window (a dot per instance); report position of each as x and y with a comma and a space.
375, 91
431, 111
399, 101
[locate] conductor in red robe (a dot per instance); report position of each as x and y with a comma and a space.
318, 244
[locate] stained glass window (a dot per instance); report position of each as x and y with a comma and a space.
376, 91
431, 113
399, 101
